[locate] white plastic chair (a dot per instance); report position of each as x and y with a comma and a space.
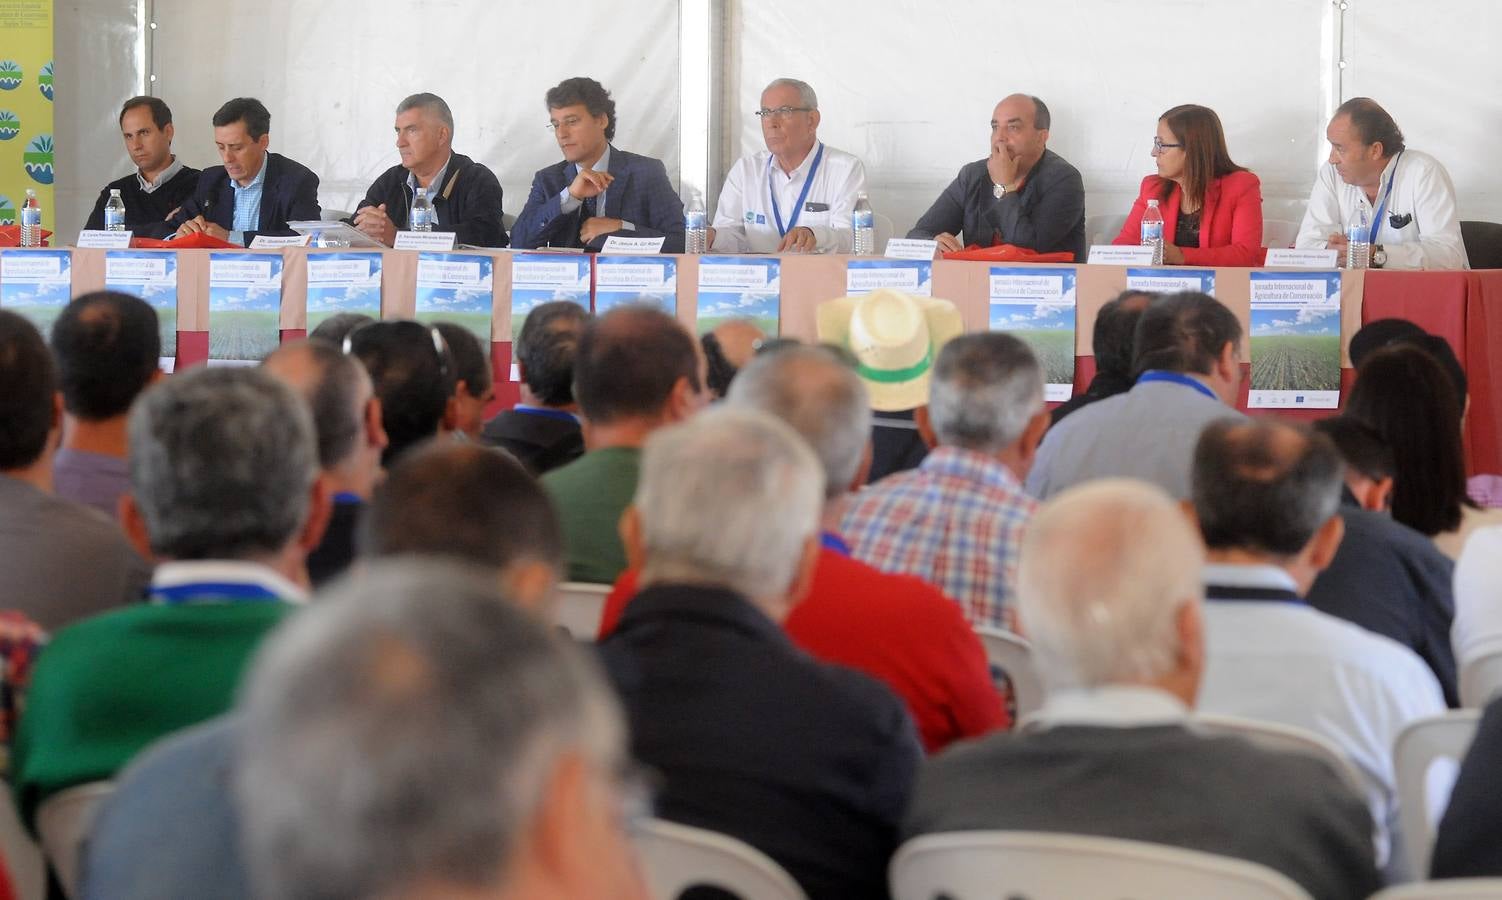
986, 865
1480, 679
678, 857
1014, 656
580, 607
1285, 739
1449, 889
63, 821
885, 231
1102, 229
1422, 797
1279, 233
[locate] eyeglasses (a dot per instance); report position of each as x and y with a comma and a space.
570, 122
782, 112
1159, 146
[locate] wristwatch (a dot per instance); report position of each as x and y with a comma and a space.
1379, 256
998, 190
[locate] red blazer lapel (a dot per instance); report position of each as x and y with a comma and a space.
1170, 212
1207, 213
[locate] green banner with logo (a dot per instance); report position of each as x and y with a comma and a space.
26, 148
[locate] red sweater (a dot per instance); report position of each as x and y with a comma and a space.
1230, 220
895, 628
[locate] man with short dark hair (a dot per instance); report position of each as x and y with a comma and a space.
160, 183
225, 497
1187, 364
413, 373
597, 190
1023, 194
1265, 494
1405, 195
466, 196
254, 191
59, 561
543, 429
637, 370
474, 386
1115, 329
107, 347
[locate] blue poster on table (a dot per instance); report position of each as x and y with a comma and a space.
911, 276
1171, 280
152, 276
1037, 305
1295, 340
458, 288
636, 279
537, 278
36, 284
739, 287
245, 304
343, 283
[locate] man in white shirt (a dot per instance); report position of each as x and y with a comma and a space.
1406, 195
1266, 495
797, 195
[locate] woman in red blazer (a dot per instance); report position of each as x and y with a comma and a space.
1212, 208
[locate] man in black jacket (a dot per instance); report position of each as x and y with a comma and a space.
160, 183
466, 196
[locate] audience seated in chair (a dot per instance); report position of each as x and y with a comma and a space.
1111, 598
474, 386
413, 373
543, 429
1111, 339
808, 762
1267, 495
59, 561
1466, 845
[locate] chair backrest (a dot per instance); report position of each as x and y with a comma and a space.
1480, 680
1285, 739
1423, 794
1483, 244
1449, 889
580, 607
1014, 657
986, 865
1279, 232
678, 857
63, 821
885, 231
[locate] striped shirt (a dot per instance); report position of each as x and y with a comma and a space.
956, 522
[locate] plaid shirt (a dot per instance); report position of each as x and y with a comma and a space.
956, 522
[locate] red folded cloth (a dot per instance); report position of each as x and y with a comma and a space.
10, 236
1008, 253
196, 241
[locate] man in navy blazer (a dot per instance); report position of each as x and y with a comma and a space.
597, 190
254, 192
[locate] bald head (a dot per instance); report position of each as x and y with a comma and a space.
1106, 572
336, 388
738, 340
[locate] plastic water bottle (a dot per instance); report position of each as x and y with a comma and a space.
31, 220
114, 211
695, 226
1358, 240
421, 218
1152, 231
863, 224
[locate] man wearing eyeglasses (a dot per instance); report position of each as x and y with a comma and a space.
1412, 222
1023, 194
598, 190
797, 195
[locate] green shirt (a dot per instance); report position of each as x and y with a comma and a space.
591, 493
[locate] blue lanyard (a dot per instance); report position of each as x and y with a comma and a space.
1371, 238
1175, 378
808, 183
545, 413
348, 498
213, 592
831, 541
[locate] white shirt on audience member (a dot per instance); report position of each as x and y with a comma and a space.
744, 221
1477, 629
1430, 240
1288, 663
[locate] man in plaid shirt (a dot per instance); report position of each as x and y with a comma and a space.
957, 520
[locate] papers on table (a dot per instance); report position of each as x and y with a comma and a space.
739, 287
1037, 305
245, 300
152, 276
333, 234
1295, 340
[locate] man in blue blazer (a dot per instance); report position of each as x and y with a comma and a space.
254, 192
597, 190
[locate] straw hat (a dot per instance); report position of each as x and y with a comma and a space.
895, 338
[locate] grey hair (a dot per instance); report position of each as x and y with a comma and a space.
433, 104
815, 392
221, 463
986, 387
402, 730
727, 498
1105, 569
806, 95
336, 396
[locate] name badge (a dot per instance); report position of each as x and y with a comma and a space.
1302, 259
424, 240
273, 242
904, 248
1112, 255
109, 240
811, 206
618, 244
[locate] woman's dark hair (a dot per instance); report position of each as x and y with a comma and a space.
1404, 394
1205, 155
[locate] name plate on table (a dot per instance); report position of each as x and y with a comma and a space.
632, 245
905, 248
424, 240
1126, 255
1302, 259
277, 241
107, 240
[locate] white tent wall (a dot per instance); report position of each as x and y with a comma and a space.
907, 86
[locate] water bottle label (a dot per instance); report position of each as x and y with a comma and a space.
1356, 234
694, 220
1152, 231
114, 218
31, 215
866, 219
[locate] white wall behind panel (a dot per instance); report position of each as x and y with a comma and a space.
332, 72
